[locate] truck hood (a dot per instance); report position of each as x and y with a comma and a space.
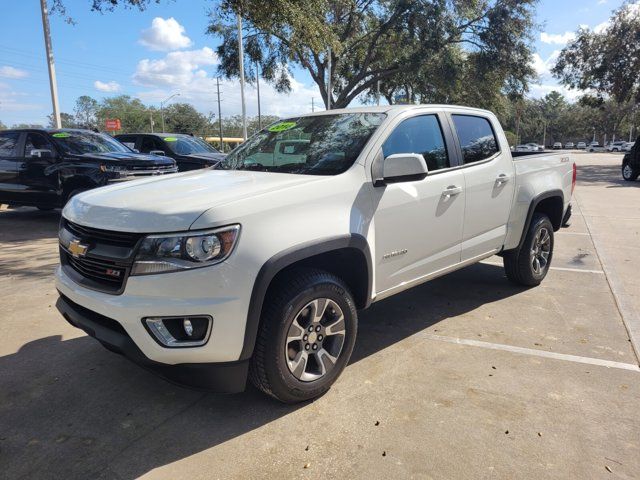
171, 203
126, 158
211, 157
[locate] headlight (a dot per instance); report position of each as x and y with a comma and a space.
183, 251
112, 168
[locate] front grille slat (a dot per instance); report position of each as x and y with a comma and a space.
91, 270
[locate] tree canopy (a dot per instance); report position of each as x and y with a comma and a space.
424, 48
606, 62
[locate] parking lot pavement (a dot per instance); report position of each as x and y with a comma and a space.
464, 377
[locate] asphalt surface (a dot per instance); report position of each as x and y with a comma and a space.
463, 377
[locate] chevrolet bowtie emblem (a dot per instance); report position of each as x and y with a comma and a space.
77, 249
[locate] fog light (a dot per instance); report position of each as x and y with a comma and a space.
176, 332
188, 328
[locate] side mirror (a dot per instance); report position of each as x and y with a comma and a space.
156, 152
41, 153
402, 167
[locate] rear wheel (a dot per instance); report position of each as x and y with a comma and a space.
529, 264
629, 173
306, 336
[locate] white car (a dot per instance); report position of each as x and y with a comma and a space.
616, 146
214, 276
581, 145
557, 146
596, 147
628, 146
569, 145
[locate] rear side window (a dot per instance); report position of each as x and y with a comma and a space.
422, 135
128, 140
476, 137
8, 144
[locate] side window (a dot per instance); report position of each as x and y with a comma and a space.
8, 144
36, 141
148, 144
476, 137
420, 134
128, 140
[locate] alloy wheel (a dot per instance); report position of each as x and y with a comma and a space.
315, 339
540, 251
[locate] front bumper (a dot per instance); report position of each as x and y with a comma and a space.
227, 377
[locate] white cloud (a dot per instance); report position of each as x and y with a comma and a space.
109, 87
10, 72
175, 69
165, 35
540, 90
557, 38
601, 27
543, 67
13, 101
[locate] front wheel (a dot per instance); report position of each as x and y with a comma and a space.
629, 173
306, 336
529, 264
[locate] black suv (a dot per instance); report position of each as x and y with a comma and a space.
631, 163
189, 152
44, 168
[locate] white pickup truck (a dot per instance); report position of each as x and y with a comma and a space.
252, 270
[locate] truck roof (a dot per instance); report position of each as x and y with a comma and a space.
394, 109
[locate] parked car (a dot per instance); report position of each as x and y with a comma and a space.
189, 152
528, 147
45, 167
214, 276
631, 163
569, 145
557, 146
628, 146
535, 147
581, 145
615, 146
596, 147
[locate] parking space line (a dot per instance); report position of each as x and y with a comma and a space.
562, 269
531, 351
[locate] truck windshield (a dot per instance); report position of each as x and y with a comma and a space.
316, 145
188, 145
88, 142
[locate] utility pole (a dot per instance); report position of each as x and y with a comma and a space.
219, 113
241, 65
151, 120
544, 135
378, 92
53, 84
258, 86
329, 82
313, 107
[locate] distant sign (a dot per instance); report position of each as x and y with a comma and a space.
113, 124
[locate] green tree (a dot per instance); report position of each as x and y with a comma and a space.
2, 126
85, 111
66, 119
382, 41
183, 118
134, 115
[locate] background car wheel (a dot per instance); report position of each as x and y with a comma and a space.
306, 336
629, 173
529, 264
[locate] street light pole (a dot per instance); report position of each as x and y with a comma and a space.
219, 112
53, 84
329, 81
162, 107
241, 66
258, 87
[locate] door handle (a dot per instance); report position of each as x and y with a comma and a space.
451, 191
502, 179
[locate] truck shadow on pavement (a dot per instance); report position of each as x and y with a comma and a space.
71, 409
592, 175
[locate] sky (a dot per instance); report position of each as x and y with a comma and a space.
164, 50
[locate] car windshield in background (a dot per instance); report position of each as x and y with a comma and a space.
188, 145
88, 142
317, 145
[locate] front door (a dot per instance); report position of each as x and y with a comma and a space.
418, 224
37, 172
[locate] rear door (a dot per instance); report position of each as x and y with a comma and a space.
9, 157
489, 180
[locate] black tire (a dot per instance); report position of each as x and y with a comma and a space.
269, 370
629, 173
519, 264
